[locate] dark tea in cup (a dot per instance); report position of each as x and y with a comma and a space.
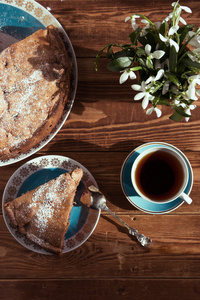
160, 175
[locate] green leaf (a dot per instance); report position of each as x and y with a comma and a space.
147, 39
125, 53
189, 63
142, 63
119, 64
140, 52
164, 102
110, 52
163, 28
157, 87
176, 117
178, 114
181, 112
183, 33
173, 78
134, 36
172, 59
136, 68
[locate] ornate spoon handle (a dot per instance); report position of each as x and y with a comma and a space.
144, 241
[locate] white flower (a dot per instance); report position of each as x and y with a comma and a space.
173, 30
195, 38
170, 16
191, 92
156, 54
195, 55
187, 108
187, 111
127, 73
168, 40
133, 21
185, 8
157, 24
177, 13
164, 65
165, 88
178, 103
155, 78
143, 30
144, 93
157, 111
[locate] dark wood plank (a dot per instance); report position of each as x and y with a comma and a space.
106, 168
81, 289
112, 253
92, 25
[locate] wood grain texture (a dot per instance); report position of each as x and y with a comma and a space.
112, 252
119, 289
104, 126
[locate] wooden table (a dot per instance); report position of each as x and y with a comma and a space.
104, 126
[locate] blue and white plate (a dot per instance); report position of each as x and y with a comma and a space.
19, 19
134, 198
37, 171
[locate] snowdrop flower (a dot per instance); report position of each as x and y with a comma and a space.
133, 21
157, 24
187, 108
182, 7
164, 65
156, 54
173, 30
143, 30
144, 93
157, 111
178, 10
127, 73
170, 16
165, 88
191, 92
187, 111
195, 55
194, 38
170, 41
155, 78
178, 103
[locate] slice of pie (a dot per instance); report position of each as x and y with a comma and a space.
34, 90
43, 213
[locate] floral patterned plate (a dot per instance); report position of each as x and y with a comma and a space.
19, 19
37, 171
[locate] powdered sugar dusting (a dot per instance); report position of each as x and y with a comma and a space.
30, 75
50, 199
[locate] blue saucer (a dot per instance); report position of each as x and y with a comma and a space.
131, 194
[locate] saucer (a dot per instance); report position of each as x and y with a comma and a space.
131, 194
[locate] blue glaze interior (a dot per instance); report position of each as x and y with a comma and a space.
17, 23
79, 211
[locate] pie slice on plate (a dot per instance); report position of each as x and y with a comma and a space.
43, 213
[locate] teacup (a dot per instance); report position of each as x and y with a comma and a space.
160, 175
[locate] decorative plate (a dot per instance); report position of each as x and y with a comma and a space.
131, 194
19, 19
37, 171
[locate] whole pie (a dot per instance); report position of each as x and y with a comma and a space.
42, 214
34, 88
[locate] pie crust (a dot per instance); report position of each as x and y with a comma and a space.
34, 89
43, 213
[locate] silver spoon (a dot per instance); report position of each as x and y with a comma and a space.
98, 201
